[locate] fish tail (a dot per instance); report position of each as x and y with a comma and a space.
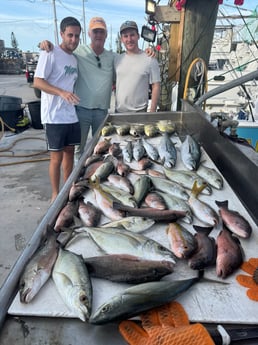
222, 203
203, 229
197, 190
202, 278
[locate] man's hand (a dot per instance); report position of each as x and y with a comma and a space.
46, 45
150, 52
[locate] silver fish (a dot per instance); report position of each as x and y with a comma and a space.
178, 204
127, 268
127, 152
39, 268
190, 153
202, 210
167, 151
73, 283
138, 150
170, 187
140, 298
121, 241
182, 242
211, 176
124, 197
151, 150
135, 224
186, 179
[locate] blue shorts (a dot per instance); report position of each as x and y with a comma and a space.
61, 135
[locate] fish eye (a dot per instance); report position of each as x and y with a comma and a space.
160, 247
106, 308
83, 298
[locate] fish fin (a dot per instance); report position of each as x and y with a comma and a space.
203, 229
222, 203
197, 190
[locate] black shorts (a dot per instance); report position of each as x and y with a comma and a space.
61, 135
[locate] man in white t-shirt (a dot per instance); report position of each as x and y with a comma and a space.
135, 71
55, 76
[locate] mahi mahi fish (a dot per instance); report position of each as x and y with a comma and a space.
190, 153
73, 283
127, 268
140, 298
121, 241
39, 268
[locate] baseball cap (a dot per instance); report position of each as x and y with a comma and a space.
97, 23
129, 24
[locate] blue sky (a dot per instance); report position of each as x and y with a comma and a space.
33, 20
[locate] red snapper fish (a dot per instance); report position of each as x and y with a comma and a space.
233, 220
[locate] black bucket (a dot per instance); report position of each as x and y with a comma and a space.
34, 109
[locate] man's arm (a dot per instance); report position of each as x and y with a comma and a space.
155, 96
43, 85
46, 45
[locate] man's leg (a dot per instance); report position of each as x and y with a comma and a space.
85, 119
67, 163
54, 172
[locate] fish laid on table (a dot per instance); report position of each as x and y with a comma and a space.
178, 204
105, 201
167, 151
141, 188
182, 242
108, 130
202, 210
127, 268
140, 298
233, 220
89, 214
166, 126
122, 168
211, 176
136, 130
115, 150
66, 215
190, 153
123, 129
142, 164
77, 189
73, 283
153, 213
102, 146
124, 197
186, 179
206, 252
121, 241
170, 187
91, 168
121, 182
103, 171
150, 150
127, 152
155, 200
138, 150
38, 270
135, 224
229, 254
151, 130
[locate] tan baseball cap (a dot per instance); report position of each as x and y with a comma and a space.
97, 23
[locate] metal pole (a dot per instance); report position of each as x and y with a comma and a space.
84, 40
55, 23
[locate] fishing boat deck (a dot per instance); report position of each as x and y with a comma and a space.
63, 326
